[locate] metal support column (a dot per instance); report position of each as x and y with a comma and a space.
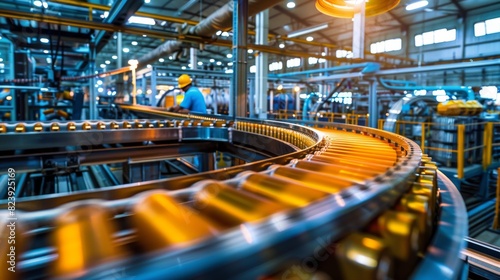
251, 99
372, 104
119, 51
261, 65
153, 86
92, 92
238, 105
144, 89
358, 34
193, 58
120, 88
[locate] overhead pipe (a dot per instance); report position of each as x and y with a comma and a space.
367, 67
219, 20
401, 85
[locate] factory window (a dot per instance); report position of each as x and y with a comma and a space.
344, 53
435, 36
312, 60
386, 46
294, 62
487, 27
275, 66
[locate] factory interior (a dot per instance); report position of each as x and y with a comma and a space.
343, 139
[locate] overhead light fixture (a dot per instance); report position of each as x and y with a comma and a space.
38, 3
309, 38
229, 55
114, 57
126, 50
44, 40
349, 8
141, 20
417, 5
134, 43
308, 30
290, 4
147, 1
161, 59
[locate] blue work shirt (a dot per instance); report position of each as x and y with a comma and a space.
194, 101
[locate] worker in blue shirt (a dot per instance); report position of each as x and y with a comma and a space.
194, 101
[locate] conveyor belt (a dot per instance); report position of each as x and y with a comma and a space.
345, 201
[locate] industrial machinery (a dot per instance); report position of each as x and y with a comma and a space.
301, 203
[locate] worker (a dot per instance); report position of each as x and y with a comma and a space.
193, 98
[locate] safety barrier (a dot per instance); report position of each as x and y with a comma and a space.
455, 145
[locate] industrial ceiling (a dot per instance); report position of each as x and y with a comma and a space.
72, 25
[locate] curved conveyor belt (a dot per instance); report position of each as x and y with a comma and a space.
338, 201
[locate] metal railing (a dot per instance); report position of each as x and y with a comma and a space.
471, 142
346, 118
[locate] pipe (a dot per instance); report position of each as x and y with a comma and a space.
219, 20
368, 67
482, 207
409, 86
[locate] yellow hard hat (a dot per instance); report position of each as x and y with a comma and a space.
184, 80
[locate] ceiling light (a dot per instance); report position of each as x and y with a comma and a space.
250, 51
309, 38
141, 20
114, 57
147, 1
161, 59
218, 63
103, 65
183, 67
229, 64
229, 55
148, 66
225, 34
282, 45
144, 35
126, 50
134, 43
290, 4
200, 63
49, 60
417, 5
163, 23
45, 51
44, 40
170, 57
308, 30
37, 3
348, 8
107, 62
212, 60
